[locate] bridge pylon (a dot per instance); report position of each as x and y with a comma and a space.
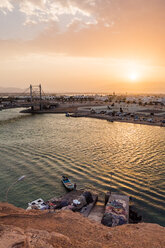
36, 94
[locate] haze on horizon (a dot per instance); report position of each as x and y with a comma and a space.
83, 46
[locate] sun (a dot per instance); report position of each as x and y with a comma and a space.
133, 76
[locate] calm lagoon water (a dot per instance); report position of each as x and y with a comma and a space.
96, 154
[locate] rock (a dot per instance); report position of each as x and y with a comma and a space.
93, 244
108, 235
12, 237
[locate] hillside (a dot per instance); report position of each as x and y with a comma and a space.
65, 229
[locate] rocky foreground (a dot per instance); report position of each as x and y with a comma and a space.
40, 229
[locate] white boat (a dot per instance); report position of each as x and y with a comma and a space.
37, 204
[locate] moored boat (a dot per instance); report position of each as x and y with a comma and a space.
67, 183
37, 204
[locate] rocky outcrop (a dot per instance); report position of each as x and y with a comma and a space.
15, 237
63, 229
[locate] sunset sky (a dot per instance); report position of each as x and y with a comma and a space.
83, 45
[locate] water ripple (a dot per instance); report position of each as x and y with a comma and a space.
122, 157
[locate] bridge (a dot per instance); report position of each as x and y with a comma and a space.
32, 98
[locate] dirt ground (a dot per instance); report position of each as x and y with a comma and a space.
65, 229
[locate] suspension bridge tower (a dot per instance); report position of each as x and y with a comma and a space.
36, 95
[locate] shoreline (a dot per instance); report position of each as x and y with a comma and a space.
73, 112
103, 117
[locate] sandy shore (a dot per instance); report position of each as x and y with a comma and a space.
113, 119
84, 110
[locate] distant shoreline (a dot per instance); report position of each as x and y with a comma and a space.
74, 112
103, 117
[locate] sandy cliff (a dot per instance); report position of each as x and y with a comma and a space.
19, 228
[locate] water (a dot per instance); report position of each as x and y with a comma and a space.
96, 154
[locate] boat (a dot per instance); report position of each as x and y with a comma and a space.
67, 183
77, 200
37, 204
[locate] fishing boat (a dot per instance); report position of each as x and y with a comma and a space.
37, 204
67, 183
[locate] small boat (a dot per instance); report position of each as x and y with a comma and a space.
67, 183
37, 204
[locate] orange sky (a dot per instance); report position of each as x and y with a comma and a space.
83, 46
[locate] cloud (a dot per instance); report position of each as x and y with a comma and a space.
61, 12
47, 11
111, 28
5, 6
